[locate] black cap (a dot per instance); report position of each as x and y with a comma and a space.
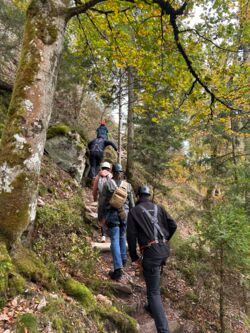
117, 168
143, 190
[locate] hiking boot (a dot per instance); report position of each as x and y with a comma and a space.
103, 239
147, 309
124, 262
116, 274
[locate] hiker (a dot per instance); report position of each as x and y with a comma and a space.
96, 151
103, 175
152, 227
117, 200
102, 131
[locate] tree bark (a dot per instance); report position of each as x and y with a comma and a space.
120, 119
130, 137
23, 139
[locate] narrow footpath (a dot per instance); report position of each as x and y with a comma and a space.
131, 290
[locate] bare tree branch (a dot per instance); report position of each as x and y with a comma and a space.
208, 40
73, 11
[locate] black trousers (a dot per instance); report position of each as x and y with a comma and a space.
152, 272
95, 160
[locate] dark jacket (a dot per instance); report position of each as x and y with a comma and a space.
99, 144
140, 229
102, 132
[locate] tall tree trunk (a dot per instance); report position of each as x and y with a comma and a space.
130, 138
120, 118
24, 137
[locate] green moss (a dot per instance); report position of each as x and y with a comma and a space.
58, 129
30, 266
2, 302
26, 323
13, 224
121, 321
17, 284
80, 292
5, 268
4, 104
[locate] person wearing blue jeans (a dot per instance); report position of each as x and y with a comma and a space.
116, 220
118, 246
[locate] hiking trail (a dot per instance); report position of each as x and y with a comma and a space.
131, 290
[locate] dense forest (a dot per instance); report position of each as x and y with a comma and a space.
171, 80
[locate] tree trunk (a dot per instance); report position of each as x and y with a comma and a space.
120, 119
24, 136
130, 138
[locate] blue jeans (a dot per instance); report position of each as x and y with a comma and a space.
151, 272
118, 245
117, 233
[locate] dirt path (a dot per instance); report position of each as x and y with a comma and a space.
131, 291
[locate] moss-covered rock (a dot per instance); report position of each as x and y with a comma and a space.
26, 323
30, 266
81, 293
17, 284
57, 129
5, 268
115, 319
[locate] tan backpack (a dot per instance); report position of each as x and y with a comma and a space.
120, 195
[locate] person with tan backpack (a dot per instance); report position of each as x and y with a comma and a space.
117, 200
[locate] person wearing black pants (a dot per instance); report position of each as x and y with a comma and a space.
152, 227
96, 152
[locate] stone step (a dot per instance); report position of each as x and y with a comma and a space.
149, 327
102, 247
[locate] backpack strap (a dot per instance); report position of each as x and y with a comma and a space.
124, 185
154, 220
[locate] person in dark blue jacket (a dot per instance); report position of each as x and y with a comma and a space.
102, 131
96, 151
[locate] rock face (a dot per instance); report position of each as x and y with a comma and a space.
68, 152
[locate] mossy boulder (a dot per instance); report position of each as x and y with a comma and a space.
80, 292
67, 149
118, 321
58, 130
17, 284
30, 266
5, 268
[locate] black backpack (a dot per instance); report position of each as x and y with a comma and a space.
97, 145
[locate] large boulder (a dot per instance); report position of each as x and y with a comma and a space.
67, 149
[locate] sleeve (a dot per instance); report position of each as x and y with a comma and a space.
171, 224
95, 188
110, 143
132, 237
89, 144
